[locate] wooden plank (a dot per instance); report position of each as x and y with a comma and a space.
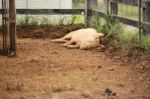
124, 20
114, 8
146, 17
120, 19
86, 12
130, 2
49, 11
146, 4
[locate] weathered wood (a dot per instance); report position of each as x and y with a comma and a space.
123, 19
107, 6
146, 4
140, 18
114, 8
48, 11
120, 19
5, 26
12, 28
90, 4
146, 17
133, 2
130, 2
86, 12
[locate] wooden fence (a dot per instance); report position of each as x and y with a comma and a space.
143, 23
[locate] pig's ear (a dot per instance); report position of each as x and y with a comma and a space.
98, 35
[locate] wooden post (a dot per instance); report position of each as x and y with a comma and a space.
4, 26
89, 5
140, 21
107, 6
12, 28
114, 8
146, 16
86, 12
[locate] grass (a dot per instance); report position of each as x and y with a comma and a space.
117, 37
45, 21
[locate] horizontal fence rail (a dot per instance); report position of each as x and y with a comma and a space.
90, 8
48, 11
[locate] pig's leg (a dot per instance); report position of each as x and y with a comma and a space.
62, 40
72, 46
68, 43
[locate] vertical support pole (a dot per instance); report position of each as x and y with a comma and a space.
12, 27
4, 26
89, 5
107, 7
114, 8
140, 21
27, 20
146, 16
86, 12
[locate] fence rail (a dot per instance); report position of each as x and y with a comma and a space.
143, 12
48, 11
112, 9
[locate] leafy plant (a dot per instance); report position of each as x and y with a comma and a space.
95, 22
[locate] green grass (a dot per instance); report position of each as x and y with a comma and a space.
116, 35
44, 21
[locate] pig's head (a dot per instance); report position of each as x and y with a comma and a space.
92, 42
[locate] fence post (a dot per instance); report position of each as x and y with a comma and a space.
12, 28
113, 8
89, 5
146, 16
86, 12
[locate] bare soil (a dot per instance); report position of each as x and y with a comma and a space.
45, 70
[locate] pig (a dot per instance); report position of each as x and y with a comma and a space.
86, 38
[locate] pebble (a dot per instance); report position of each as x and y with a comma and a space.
87, 94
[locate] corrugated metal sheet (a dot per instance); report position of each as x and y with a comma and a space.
44, 4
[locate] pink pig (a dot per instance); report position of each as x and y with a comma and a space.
82, 39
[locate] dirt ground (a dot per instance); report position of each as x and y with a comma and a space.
45, 70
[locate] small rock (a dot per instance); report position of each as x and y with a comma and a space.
108, 91
110, 69
121, 85
114, 94
130, 79
56, 89
87, 94
141, 78
141, 67
99, 66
